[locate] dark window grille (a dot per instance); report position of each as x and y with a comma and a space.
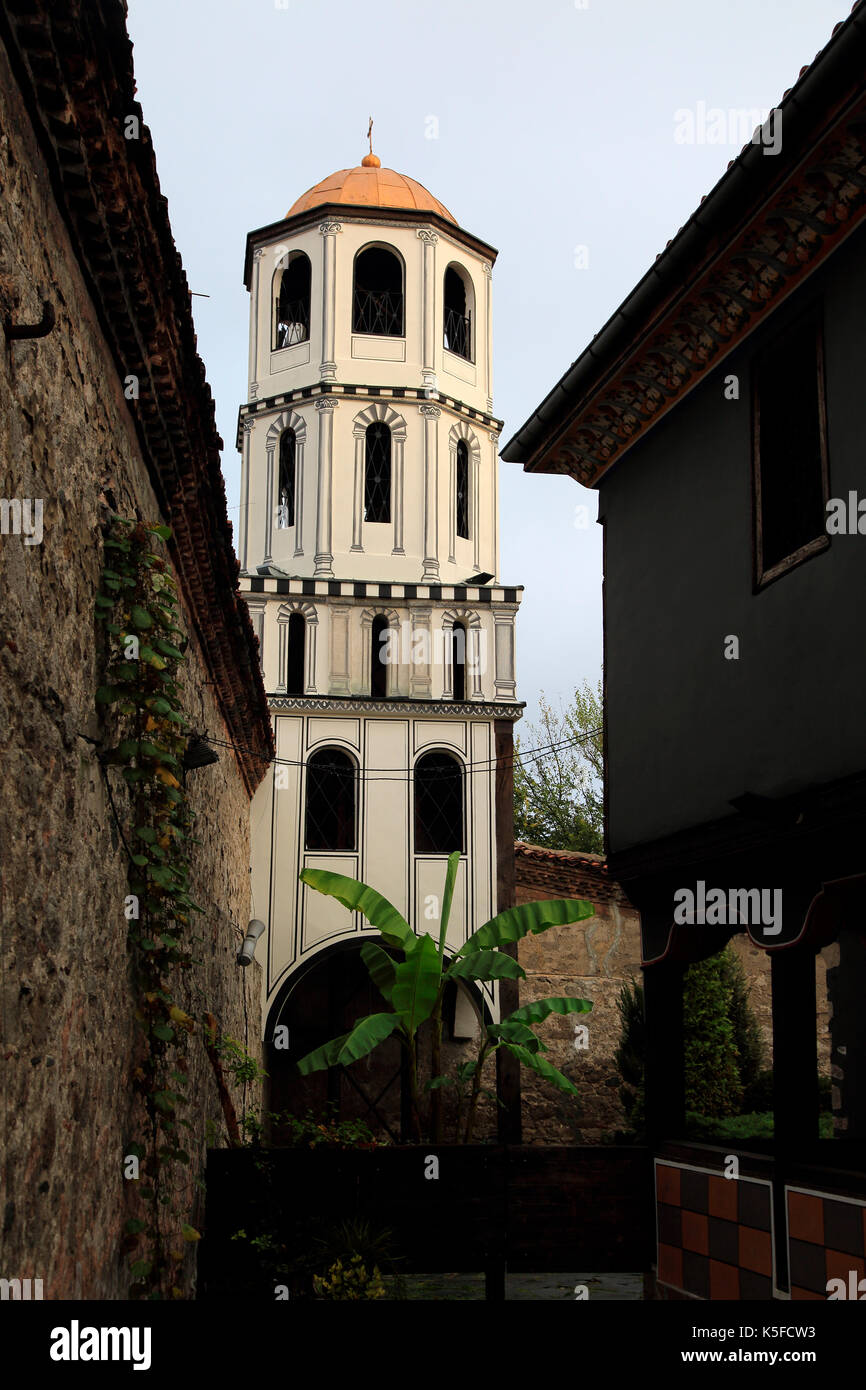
458, 333
438, 804
286, 516
790, 456
378, 664
292, 307
295, 656
462, 500
458, 661
377, 473
457, 319
377, 302
330, 800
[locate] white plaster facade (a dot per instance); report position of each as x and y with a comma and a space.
339, 572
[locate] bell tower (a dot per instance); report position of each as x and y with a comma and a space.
369, 555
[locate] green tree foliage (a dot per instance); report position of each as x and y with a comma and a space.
559, 796
722, 1042
712, 1071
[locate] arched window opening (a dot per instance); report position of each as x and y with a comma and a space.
377, 304
286, 513
377, 473
462, 499
292, 302
458, 661
295, 658
458, 315
378, 662
330, 800
438, 804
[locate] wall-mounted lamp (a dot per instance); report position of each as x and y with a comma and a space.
198, 754
248, 949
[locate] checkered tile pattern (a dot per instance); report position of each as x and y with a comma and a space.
826, 1240
714, 1234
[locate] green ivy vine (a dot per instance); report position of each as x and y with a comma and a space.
138, 606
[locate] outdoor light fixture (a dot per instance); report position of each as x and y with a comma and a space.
482, 578
198, 754
248, 949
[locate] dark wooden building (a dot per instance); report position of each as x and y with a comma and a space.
719, 414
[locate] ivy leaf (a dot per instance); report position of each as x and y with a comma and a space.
163, 1032
103, 602
146, 833
140, 616
134, 1227
140, 1269
190, 1233
107, 694
139, 860
167, 649
164, 532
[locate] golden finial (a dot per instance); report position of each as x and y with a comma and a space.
370, 161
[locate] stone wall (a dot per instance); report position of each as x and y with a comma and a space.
68, 436
592, 960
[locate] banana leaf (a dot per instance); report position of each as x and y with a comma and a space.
358, 897
450, 880
416, 984
380, 968
543, 1067
540, 1009
508, 1031
322, 1057
485, 965
516, 922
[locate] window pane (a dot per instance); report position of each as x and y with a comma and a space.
789, 445
438, 804
330, 800
377, 478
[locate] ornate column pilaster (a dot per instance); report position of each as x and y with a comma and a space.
488, 277
324, 559
476, 639
430, 415
419, 680
270, 502
244, 518
300, 441
360, 437
452, 500
310, 636
283, 618
398, 444
257, 613
505, 684
329, 231
339, 676
254, 326
428, 300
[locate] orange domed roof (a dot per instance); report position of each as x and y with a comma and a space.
370, 186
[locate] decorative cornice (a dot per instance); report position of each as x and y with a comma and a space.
429, 238
348, 704
399, 396
326, 403
330, 228
430, 412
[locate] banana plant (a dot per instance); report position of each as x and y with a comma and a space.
414, 987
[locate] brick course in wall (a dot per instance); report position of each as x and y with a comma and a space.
592, 960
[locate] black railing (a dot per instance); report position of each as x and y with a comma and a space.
458, 333
293, 324
378, 311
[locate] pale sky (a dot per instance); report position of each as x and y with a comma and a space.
553, 126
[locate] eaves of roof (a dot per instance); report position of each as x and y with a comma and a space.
711, 286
